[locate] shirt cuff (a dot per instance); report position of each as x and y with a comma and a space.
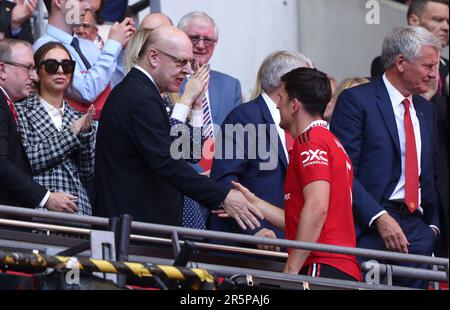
112, 47
15, 33
197, 118
44, 200
180, 112
439, 232
376, 216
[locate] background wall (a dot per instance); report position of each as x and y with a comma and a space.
334, 34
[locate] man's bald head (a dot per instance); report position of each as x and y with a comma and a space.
167, 55
167, 38
155, 20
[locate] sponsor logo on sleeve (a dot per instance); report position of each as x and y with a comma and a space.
314, 157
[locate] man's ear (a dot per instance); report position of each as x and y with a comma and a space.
2, 72
60, 4
153, 57
413, 20
400, 62
296, 105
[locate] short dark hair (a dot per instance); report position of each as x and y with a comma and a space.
417, 7
48, 6
311, 87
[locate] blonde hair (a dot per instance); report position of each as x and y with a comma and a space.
134, 47
348, 83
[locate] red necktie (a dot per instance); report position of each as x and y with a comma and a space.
11, 108
411, 165
289, 140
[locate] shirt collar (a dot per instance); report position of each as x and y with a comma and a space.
51, 109
5, 94
396, 97
316, 123
272, 105
147, 74
57, 33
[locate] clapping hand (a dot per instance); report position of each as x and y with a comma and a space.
22, 12
195, 88
83, 124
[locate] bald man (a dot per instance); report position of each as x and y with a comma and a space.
135, 171
154, 20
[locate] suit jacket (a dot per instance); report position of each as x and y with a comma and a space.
364, 122
266, 184
60, 161
17, 188
5, 23
134, 170
224, 95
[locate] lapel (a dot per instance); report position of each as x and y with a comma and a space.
214, 99
269, 121
135, 73
423, 130
39, 119
387, 111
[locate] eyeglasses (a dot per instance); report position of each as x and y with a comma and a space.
206, 40
51, 66
181, 63
30, 68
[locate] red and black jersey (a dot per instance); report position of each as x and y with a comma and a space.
318, 155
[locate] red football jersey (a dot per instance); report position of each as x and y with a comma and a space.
318, 155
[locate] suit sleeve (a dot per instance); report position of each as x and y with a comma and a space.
153, 142
348, 125
226, 169
16, 182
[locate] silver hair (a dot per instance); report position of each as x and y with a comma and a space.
278, 64
406, 41
185, 21
6, 48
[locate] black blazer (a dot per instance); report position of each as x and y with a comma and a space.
134, 171
5, 23
16, 186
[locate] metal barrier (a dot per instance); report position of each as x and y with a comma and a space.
175, 232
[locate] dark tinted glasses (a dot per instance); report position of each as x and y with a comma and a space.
51, 66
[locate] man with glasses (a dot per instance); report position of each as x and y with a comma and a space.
223, 95
17, 188
135, 169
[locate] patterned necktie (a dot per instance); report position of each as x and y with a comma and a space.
207, 121
12, 109
411, 164
76, 45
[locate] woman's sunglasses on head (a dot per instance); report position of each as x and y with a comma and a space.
51, 66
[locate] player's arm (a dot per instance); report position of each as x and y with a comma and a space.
312, 219
271, 213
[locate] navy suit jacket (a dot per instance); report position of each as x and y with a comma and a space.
266, 184
364, 122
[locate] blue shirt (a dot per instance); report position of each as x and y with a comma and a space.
107, 65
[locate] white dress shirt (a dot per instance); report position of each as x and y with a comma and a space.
55, 114
275, 113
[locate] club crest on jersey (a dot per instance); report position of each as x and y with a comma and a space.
317, 157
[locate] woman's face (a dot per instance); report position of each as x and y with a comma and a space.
58, 81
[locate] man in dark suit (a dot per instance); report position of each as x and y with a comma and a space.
15, 19
262, 173
433, 15
389, 133
17, 188
135, 169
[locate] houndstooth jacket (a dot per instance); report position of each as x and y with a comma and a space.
59, 160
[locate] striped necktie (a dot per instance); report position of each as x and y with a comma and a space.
207, 121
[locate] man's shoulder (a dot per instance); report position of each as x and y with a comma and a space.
41, 41
223, 77
246, 111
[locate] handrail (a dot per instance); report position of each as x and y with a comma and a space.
165, 229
